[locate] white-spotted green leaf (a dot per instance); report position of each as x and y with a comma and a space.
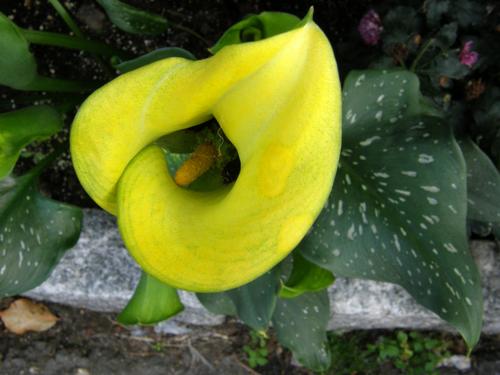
397, 211
483, 184
300, 325
19, 128
148, 58
17, 63
133, 20
34, 232
152, 302
253, 303
305, 277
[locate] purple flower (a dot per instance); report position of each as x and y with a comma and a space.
468, 57
370, 28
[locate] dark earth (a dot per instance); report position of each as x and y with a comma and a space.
86, 342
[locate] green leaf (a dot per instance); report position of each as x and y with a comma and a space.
435, 10
448, 65
217, 303
399, 24
253, 303
17, 63
300, 325
35, 232
397, 211
305, 277
468, 12
148, 58
19, 128
486, 127
152, 302
257, 27
133, 20
483, 184
447, 35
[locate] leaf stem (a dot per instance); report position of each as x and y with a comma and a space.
61, 10
421, 53
63, 13
41, 83
71, 42
189, 31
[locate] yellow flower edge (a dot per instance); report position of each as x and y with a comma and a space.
277, 100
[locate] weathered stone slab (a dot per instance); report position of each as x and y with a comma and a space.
98, 274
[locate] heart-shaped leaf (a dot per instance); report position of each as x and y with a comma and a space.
483, 184
133, 20
300, 325
148, 58
35, 232
256, 27
19, 128
397, 211
152, 302
253, 303
435, 10
17, 64
305, 277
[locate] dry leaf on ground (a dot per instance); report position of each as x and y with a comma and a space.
23, 316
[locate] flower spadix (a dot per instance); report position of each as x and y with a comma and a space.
277, 100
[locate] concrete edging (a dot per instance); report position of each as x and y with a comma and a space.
98, 274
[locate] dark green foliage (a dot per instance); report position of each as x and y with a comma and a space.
17, 64
398, 206
133, 20
20, 128
35, 232
302, 320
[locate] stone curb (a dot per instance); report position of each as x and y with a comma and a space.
98, 274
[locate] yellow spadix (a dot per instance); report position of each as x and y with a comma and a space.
277, 100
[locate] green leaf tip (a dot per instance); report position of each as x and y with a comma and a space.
152, 302
309, 16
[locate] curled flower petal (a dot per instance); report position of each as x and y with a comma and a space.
278, 102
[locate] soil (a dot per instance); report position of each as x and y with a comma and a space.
85, 342
338, 19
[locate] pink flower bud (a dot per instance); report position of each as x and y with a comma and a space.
468, 57
370, 28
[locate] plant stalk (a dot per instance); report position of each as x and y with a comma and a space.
41, 83
71, 42
421, 53
64, 14
61, 10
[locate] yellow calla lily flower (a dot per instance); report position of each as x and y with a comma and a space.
277, 100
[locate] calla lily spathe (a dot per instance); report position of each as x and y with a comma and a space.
277, 100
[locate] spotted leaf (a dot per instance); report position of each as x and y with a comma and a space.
34, 232
397, 211
300, 325
253, 303
483, 184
